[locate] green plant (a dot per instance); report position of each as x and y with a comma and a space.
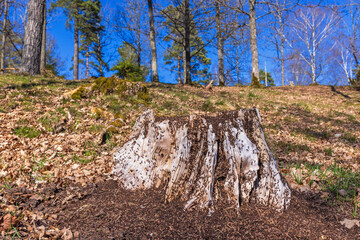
129, 70
207, 106
354, 212
28, 132
298, 178
96, 128
349, 137
328, 151
252, 95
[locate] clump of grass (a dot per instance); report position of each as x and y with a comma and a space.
290, 147
96, 128
81, 160
49, 120
342, 178
28, 132
298, 178
328, 151
207, 106
220, 102
252, 95
349, 137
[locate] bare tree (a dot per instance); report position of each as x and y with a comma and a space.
278, 9
4, 35
310, 28
130, 25
227, 23
249, 10
154, 66
33, 36
345, 61
43, 43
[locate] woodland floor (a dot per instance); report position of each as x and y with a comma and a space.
54, 173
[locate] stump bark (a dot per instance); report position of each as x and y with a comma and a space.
203, 160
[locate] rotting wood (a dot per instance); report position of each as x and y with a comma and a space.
202, 160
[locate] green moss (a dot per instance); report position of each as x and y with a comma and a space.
78, 93
112, 130
106, 85
117, 123
143, 94
255, 83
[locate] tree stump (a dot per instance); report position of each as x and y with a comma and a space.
203, 160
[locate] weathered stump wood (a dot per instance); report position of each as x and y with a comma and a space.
203, 160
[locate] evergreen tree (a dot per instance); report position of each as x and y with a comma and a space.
90, 25
270, 80
127, 66
175, 55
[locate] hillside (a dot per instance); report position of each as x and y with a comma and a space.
54, 162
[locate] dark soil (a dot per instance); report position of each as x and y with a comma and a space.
106, 211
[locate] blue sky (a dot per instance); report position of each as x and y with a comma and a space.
64, 39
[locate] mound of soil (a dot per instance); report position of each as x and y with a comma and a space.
106, 211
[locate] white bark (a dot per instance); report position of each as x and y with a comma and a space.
203, 160
311, 28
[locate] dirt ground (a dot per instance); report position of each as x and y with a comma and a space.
106, 211
54, 173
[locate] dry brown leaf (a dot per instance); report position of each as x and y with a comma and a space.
9, 221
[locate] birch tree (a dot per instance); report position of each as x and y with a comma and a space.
309, 29
279, 8
154, 65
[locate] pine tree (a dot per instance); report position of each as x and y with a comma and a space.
270, 80
90, 25
127, 66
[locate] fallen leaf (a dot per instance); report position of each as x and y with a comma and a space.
350, 223
9, 221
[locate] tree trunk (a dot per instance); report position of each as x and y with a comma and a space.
187, 32
76, 46
43, 44
282, 52
253, 43
179, 69
203, 160
87, 63
3, 40
30, 62
220, 45
154, 66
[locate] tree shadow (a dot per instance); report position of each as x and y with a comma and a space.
340, 93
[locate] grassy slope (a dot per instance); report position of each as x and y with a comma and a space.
314, 132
